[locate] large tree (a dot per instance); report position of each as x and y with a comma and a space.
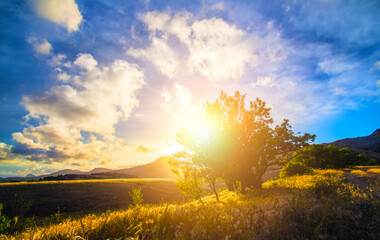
243, 142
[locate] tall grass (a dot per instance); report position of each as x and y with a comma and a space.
284, 209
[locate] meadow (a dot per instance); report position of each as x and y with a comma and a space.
82, 196
326, 204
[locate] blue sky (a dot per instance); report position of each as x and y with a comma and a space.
85, 84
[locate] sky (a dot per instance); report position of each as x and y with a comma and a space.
108, 83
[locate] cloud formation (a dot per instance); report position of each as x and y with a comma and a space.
142, 149
210, 47
62, 12
77, 118
40, 46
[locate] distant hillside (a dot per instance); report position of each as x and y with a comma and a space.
368, 145
64, 172
100, 170
157, 169
99, 175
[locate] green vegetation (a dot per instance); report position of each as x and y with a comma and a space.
137, 196
298, 207
239, 146
319, 156
5, 222
294, 168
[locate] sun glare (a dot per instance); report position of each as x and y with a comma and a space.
173, 147
203, 132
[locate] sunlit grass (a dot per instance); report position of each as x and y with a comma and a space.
374, 170
305, 181
288, 208
359, 173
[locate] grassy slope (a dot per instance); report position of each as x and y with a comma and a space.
320, 206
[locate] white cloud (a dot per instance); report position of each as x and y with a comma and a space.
160, 54
209, 47
376, 66
64, 77
378, 83
266, 81
336, 65
86, 61
40, 46
92, 102
181, 98
218, 50
56, 60
5, 152
62, 12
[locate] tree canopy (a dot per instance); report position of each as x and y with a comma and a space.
241, 144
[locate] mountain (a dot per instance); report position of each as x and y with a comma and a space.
64, 172
157, 169
99, 170
368, 145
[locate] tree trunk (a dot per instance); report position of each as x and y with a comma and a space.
212, 184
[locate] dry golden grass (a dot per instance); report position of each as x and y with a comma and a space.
374, 170
359, 173
290, 208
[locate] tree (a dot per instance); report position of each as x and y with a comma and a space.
243, 143
189, 176
319, 156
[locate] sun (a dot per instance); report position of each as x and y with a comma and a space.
202, 131
172, 148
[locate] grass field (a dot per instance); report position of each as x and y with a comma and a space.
85, 196
328, 204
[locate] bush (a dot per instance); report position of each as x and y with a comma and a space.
137, 196
319, 156
294, 168
4, 221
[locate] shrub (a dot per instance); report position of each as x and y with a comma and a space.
319, 156
4, 221
294, 168
137, 196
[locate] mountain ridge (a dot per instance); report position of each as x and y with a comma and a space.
368, 145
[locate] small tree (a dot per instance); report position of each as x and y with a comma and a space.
189, 176
137, 196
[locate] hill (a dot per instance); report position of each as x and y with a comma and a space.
157, 169
368, 145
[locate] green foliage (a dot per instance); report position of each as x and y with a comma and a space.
189, 178
294, 168
319, 156
191, 187
5, 222
17, 210
137, 196
242, 146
